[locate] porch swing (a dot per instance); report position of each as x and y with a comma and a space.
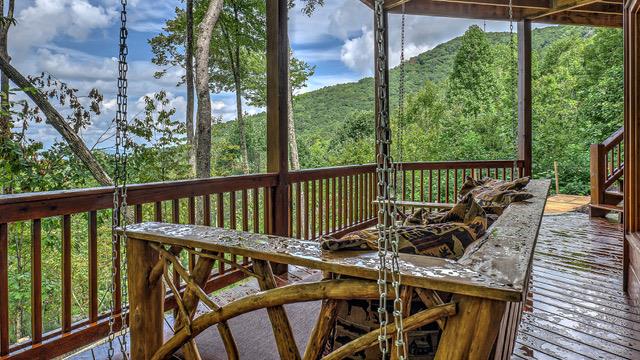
489, 281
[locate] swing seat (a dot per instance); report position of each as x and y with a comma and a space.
488, 281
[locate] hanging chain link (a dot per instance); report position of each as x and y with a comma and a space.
514, 85
119, 215
387, 192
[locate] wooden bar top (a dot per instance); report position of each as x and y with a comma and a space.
495, 267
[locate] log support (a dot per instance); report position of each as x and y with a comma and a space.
322, 330
279, 321
146, 301
472, 333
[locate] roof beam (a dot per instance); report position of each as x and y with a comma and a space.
530, 4
600, 8
559, 6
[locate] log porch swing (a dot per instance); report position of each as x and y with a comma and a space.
488, 283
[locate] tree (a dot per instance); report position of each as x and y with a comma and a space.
204, 117
472, 82
190, 83
5, 24
242, 32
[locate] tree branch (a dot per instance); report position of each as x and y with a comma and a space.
56, 120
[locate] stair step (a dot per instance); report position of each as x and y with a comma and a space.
613, 208
615, 193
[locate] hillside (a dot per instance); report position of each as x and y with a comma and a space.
318, 113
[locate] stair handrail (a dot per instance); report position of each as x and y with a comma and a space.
607, 165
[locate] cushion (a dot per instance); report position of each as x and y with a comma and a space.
448, 238
495, 195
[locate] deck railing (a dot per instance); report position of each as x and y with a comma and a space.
607, 167
76, 284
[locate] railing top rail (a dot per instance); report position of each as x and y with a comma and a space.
26, 206
460, 164
614, 139
53, 203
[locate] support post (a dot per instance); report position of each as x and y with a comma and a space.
631, 148
146, 301
525, 128
598, 170
472, 332
278, 117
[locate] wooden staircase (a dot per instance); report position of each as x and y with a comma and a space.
607, 170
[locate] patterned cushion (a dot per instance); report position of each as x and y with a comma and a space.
495, 195
448, 238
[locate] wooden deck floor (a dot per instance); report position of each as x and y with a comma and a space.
575, 307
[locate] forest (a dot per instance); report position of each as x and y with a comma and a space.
459, 103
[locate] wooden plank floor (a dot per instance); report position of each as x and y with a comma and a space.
576, 308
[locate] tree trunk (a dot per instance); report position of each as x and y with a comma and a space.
5, 107
293, 143
56, 120
241, 128
204, 118
189, 81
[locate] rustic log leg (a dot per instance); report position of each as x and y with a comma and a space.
146, 301
281, 328
472, 332
406, 296
200, 275
322, 330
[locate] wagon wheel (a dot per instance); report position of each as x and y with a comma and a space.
273, 299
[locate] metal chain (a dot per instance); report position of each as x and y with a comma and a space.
387, 211
119, 217
514, 84
395, 243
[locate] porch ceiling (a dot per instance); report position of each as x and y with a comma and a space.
568, 12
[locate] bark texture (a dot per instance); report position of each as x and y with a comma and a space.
204, 117
190, 84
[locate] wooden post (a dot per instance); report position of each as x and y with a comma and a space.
146, 301
472, 332
597, 176
524, 96
277, 116
632, 148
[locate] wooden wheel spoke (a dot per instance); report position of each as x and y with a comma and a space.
410, 323
222, 259
431, 298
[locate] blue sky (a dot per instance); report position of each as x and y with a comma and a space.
76, 41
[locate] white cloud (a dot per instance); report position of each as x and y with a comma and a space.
44, 20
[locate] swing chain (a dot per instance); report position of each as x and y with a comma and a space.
387, 191
119, 218
514, 84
